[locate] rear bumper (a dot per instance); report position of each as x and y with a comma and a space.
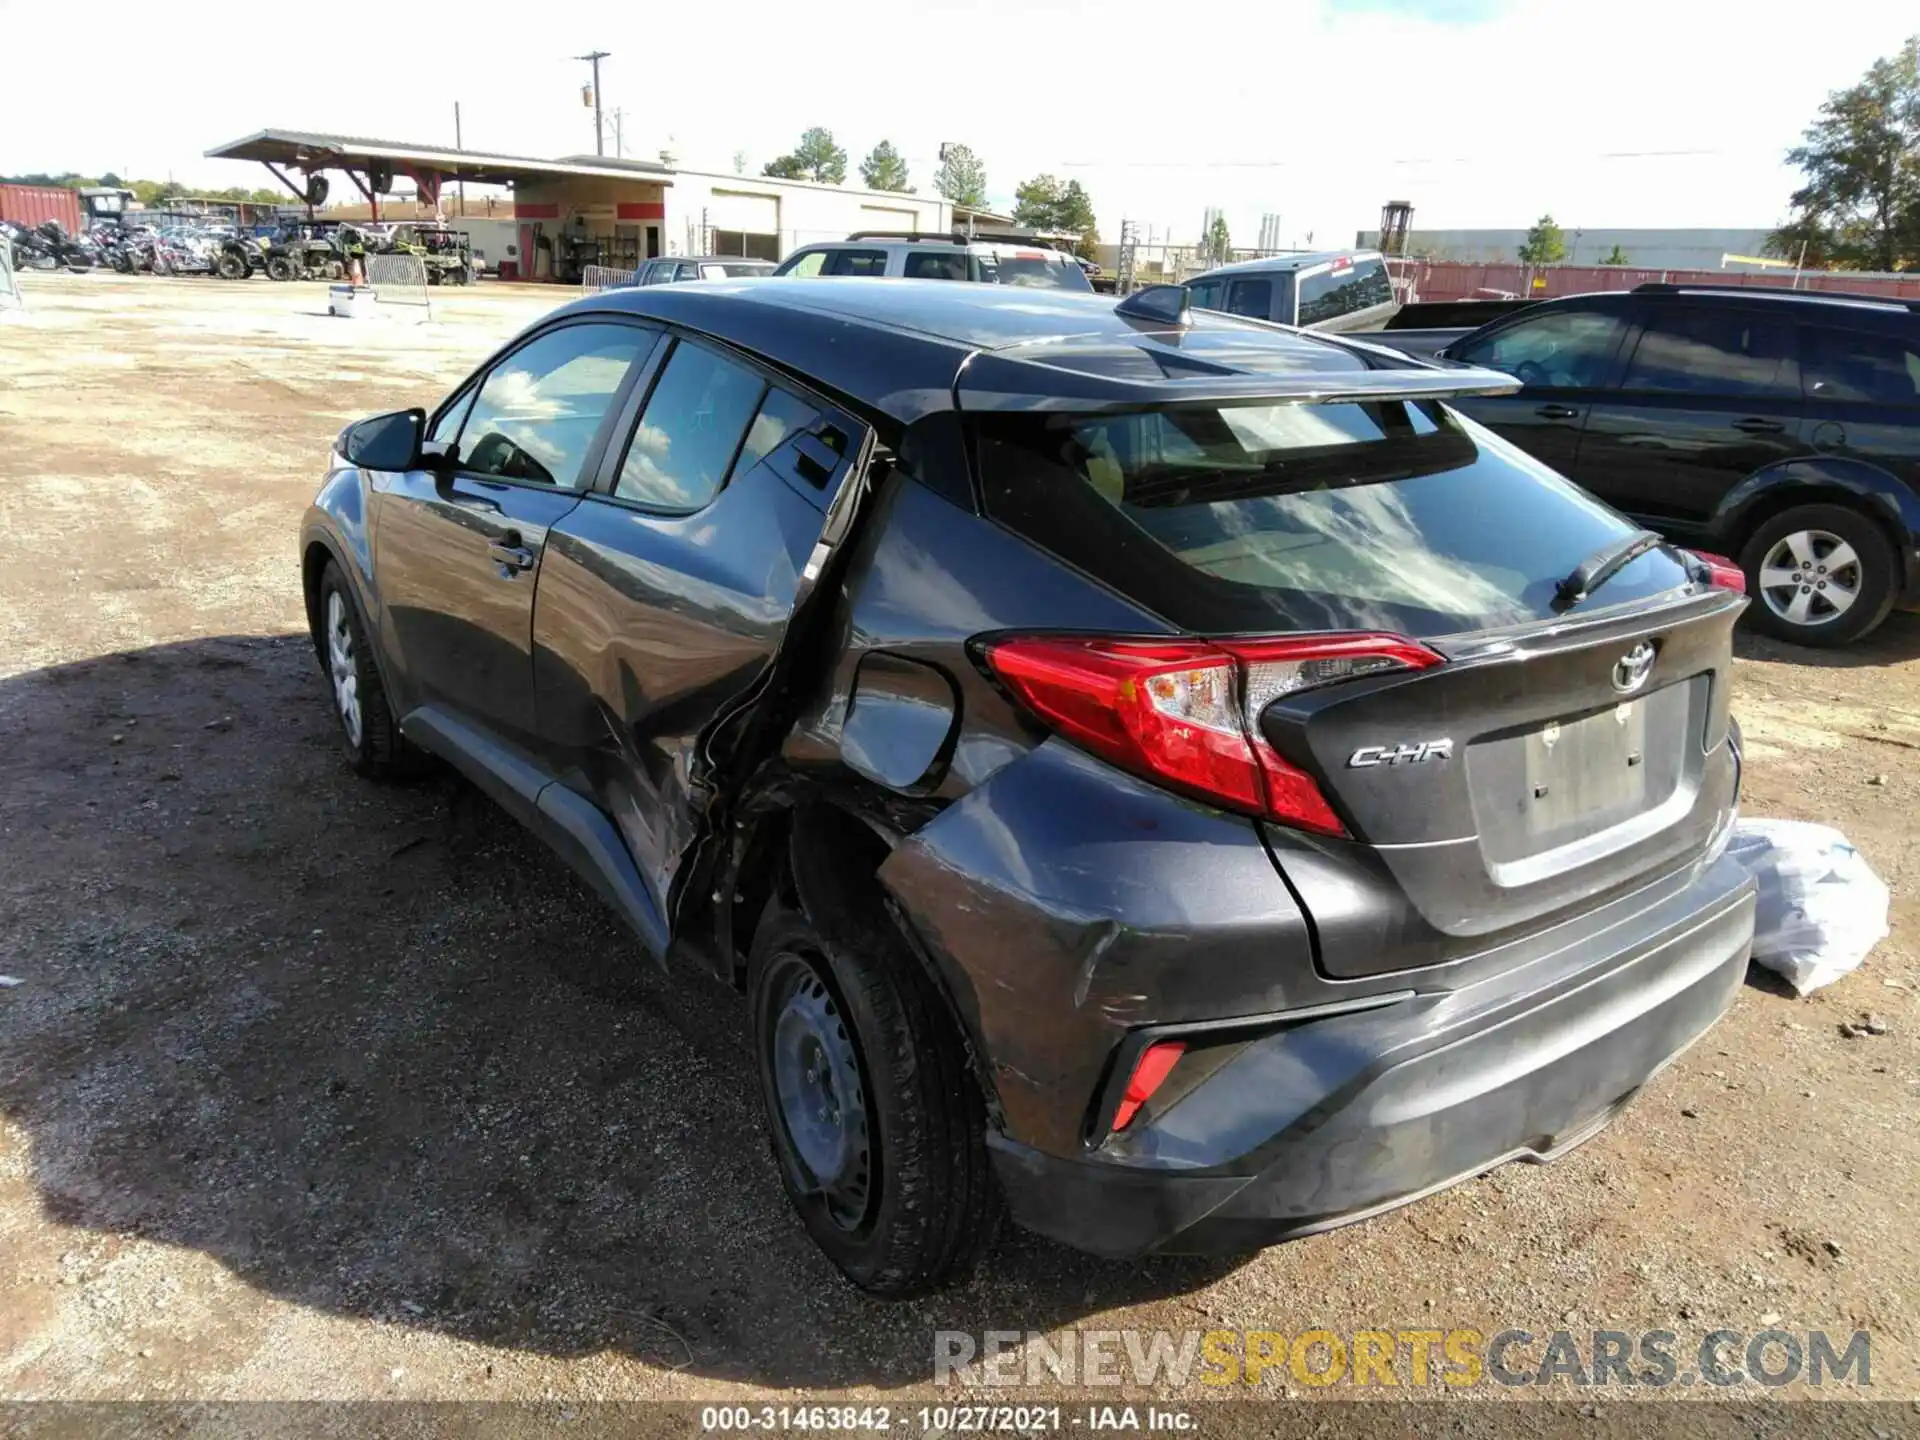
1334, 1119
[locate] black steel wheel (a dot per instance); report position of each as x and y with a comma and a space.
819, 1093
875, 1118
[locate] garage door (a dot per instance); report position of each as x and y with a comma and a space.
879, 217
732, 210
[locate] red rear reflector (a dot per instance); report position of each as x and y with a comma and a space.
1150, 1072
1186, 712
1721, 571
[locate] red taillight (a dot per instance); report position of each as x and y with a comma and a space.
1722, 572
1150, 1072
1186, 712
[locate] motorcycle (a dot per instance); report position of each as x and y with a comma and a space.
49, 247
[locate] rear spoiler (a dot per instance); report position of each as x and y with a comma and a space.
1001, 381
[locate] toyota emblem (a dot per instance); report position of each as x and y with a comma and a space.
1630, 671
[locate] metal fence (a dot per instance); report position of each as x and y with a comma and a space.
1472, 280
400, 278
595, 278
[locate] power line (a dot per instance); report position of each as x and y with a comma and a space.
1423, 160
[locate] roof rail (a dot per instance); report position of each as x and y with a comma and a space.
958, 237
1661, 287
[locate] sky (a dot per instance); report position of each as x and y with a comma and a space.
1481, 113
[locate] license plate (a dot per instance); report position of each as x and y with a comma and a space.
1593, 769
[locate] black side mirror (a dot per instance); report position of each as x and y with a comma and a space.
386, 442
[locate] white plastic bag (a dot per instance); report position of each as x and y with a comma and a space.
1821, 908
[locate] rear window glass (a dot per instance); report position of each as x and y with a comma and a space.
1400, 517
936, 265
856, 262
1850, 365
1251, 297
1035, 269
1333, 293
1715, 352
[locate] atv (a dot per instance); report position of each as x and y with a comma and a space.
304, 252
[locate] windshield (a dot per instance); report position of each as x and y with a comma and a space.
716, 270
1390, 516
1036, 269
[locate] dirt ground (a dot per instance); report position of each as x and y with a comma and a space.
295, 1102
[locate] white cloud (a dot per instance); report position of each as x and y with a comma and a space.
1317, 111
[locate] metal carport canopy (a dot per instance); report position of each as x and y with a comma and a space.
310, 151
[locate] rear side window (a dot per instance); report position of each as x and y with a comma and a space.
856, 262
1333, 293
1283, 517
684, 446
1206, 294
1715, 352
936, 265
1251, 297
1560, 349
780, 416
1852, 365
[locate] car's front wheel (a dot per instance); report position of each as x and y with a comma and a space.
1820, 575
876, 1121
367, 728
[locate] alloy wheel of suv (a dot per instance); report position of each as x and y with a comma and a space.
368, 729
1819, 575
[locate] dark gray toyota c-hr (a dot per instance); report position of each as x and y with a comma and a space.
1166, 775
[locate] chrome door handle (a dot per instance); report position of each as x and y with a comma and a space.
1557, 412
510, 554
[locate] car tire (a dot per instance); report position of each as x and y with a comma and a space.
231, 266
279, 267
908, 1203
1799, 543
368, 730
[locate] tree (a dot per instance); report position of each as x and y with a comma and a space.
961, 178
885, 168
1545, 244
1047, 206
1860, 206
1805, 241
1219, 243
816, 157
739, 162
1036, 201
1615, 256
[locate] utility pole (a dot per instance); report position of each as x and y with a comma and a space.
619, 132
593, 58
458, 144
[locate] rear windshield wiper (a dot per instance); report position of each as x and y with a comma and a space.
1601, 566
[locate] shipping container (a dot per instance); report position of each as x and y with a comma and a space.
30, 205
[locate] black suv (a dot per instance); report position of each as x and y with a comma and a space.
1162, 773
1779, 426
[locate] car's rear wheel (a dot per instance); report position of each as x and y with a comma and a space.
1820, 575
877, 1125
367, 728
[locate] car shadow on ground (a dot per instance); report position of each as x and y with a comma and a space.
311, 1026
1894, 642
